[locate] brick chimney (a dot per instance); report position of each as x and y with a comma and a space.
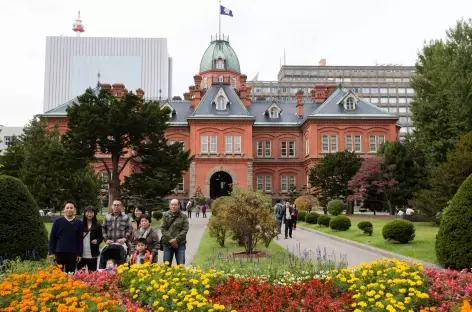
118, 90
321, 92
140, 93
187, 96
244, 91
300, 103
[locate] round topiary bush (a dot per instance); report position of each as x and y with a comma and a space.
340, 223
335, 207
401, 231
22, 232
306, 203
157, 215
323, 220
366, 227
453, 247
312, 218
301, 215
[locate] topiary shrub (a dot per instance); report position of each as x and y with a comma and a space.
22, 232
157, 215
301, 215
340, 223
366, 227
306, 203
335, 207
401, 231
323, 220
311, 218
453, 247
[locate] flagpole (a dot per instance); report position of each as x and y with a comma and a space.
219, 26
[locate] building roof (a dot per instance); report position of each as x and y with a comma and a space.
219, 49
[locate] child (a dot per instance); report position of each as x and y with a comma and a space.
197, 211
141, 255
204, 210
110, 266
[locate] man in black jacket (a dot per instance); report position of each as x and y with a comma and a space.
287, 219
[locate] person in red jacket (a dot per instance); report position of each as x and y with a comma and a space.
141, 255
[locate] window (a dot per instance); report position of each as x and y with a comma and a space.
180, 187
402, 109
307, 146
213, 144
381, 139
357, 143
229, 144
286, 183
334, 143
220, 78
274, 112
264, 149
237, 144
220, 103
264, 183
220, 64
349, 104
373, 146
205, 83
349, 143
8, 140
324, 144
204, 144
234, 83
287, 149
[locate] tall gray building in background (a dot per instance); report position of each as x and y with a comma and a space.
74, 64
387, 86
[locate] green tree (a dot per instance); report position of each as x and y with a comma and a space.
22, 232
126, 129
444, 180
331, 176
12, 158
293, 193
453, 248
442, 109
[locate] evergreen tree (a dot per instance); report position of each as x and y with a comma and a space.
293, 193
12, 158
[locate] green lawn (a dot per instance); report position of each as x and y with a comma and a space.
422, 247
209, 249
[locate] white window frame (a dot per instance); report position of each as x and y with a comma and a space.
307, 146
180, 186
335, 148
356, 142
220, 79
284, 184
349, 146
283, 150
372, 144
274, 113
237, 144
220, 103
292, 151
380, 140
220, 64
325, 143
260, 183
204, 144
267, 147
292, 181
228, 144
260, 149
213, 144
350, 105
268, 184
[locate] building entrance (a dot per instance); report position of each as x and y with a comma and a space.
221, 184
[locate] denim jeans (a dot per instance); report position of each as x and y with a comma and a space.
179, 253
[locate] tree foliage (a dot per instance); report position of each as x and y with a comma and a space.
12, 158
22, 232
293, 193
453, 248
444, 180
126, 129
374, 175
331, 176
306, 203
442, 109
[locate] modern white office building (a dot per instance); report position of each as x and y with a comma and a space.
74, 64
6, 136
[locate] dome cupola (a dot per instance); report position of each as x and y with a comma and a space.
220, 56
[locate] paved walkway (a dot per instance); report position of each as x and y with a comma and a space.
195, 233
309, 243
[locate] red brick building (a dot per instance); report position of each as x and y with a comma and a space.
264, 144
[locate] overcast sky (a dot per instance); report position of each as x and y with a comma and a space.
345, 32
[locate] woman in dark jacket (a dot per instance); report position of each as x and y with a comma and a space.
92, 239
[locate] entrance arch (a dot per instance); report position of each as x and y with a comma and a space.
221, 184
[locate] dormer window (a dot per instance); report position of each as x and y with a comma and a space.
220, 64
166, 105
221, 100
220, 103
220, 79
350, 104
274, 112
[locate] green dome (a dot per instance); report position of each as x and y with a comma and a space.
220, 49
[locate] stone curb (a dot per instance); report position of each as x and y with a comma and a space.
376, 250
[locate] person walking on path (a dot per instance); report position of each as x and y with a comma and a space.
294, 216
189, 208
197, 211
287, 219
116, 227
279, 210
93, 237
174, 231
149, 234
204, 210
66, 239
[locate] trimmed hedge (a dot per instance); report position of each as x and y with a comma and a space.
301, 215
340, 223
323, 220
335, 207
453, 241
312, 218
22, 231
157, 215
366, 227
401, 231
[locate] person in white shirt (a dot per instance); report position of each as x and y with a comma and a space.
287, 219
409, 211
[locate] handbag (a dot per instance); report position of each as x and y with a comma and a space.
161, 246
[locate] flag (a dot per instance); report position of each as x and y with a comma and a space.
225, 11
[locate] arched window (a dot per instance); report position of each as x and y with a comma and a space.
220, 64
220, 78
274, 112
220, 103
350, 103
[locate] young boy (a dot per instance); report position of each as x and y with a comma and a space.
141, 255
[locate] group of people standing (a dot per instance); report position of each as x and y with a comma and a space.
287, 214
75, 243
191, 205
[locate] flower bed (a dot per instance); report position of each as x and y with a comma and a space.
382, 285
